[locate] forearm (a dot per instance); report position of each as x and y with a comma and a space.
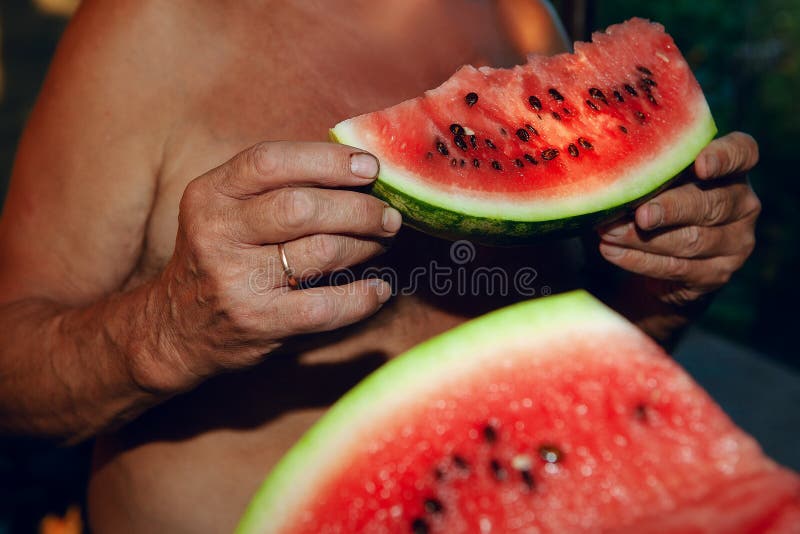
68, 373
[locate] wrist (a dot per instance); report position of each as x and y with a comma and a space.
155, 351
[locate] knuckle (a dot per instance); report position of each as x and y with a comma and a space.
198, 229
293, 208
717, 205
265, 159
194, 197
368, 210
316, 313
693, 241
338, 161
326, 251
752, 204
680, 295
750, 150
675, 268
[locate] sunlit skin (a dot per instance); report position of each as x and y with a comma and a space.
150, 184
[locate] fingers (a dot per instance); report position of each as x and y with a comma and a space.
294, 212
708, 274
315, 255
321, 309
690, 204
735, 153
685, 241
275, 164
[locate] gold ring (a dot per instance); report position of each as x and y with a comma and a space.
288, 271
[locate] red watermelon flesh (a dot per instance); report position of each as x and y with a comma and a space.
548, 416
547, 145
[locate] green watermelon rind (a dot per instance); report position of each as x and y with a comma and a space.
451, 354
506, 222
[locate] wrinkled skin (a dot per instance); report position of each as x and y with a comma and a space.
688, 241
173, 147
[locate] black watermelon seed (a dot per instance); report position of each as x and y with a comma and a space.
618, 96
442, 148
523, 134
532, 129
503, 131
457, 129
473, 141
652, 99
597, 94
460, 142
566, 111
433, 506
531, 159
489, 433
419, 526
490, 144
644, 70
496, 165
518, 163
497, 470
476, 163
623, 129
649, 81
462, 163
429, 155
460, 462
592, 105
631, 91
641, 116
549, 154
471, 99
644, 87
573, 150
585, 143
527, 478
556, 116
555, 94
453, 162
550, 454
535, 103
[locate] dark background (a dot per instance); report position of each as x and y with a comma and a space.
746, 55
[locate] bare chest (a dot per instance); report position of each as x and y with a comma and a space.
297, 71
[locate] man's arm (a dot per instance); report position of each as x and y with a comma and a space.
77, 353
73, 226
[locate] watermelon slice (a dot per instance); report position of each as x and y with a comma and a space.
554, 415
552, 146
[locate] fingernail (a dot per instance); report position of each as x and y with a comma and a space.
382, 289
618, 230
391, 219
653, 215
712, 165
364, 165
610, 251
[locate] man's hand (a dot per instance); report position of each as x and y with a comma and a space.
227, 300
690, 239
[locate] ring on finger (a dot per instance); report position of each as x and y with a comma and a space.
287, 270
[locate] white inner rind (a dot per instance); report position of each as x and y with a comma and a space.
637, 180
451, 356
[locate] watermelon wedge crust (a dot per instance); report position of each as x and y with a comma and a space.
553, 146
554, 415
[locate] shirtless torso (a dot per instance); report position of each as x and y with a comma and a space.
221, 77
124, 280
